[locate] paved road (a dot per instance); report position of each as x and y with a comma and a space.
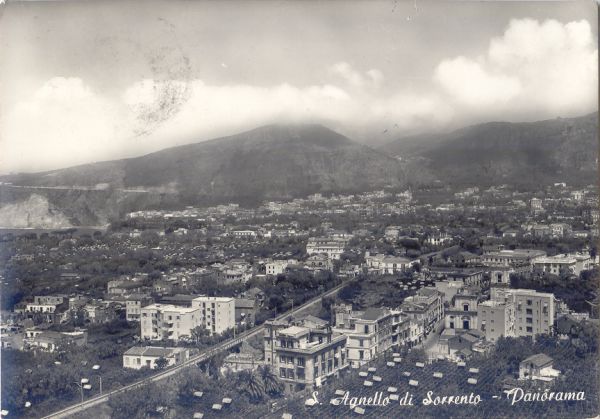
203, 356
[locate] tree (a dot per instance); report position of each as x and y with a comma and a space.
140, 402
251, 384
272, 385
198, 333
161, 363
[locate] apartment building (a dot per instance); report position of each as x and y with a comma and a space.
534, 311
571, 263
384, 264
517, 257
332, 247
134, 304
276, 267
370, 332
165, 321
304, 353
496, 319
425, 307
217, 314
438, 239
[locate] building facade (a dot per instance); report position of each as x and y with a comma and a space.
134, 304
332, 247
496, 319
165, 321
304, 356
140, 357
426, 307
217, 313
534, 311
370, 332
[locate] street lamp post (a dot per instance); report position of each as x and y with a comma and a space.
96, 368
83, 385
100, 381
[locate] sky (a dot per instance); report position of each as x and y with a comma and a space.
85, 81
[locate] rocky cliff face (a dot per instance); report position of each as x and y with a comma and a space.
34, 212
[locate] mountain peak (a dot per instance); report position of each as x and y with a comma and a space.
273, 134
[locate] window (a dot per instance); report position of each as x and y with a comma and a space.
361, 354
465, 307
529, 320
529, 311
361, 342
282, 372
366, 328
529, 302
529, 329
300, 362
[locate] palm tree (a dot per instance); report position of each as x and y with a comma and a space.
272, 384
251, 383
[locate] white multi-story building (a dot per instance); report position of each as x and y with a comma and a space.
384, 264
573, 263
560, 229
217, 314
134, 304
496, 319
438, 239
276, 267
425, 307
536, 205
165, 321
244, 233
517, 257
304, 354
534, 311
332, 247
370, 332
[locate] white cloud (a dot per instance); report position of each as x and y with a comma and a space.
346, 72
545, 69
534, 70
376, 76
63, 122
371, 78
470, 84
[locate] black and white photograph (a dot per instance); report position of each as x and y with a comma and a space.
291, 209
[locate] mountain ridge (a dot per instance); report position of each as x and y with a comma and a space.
286, 161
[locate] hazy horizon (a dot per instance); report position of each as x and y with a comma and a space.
375, 145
